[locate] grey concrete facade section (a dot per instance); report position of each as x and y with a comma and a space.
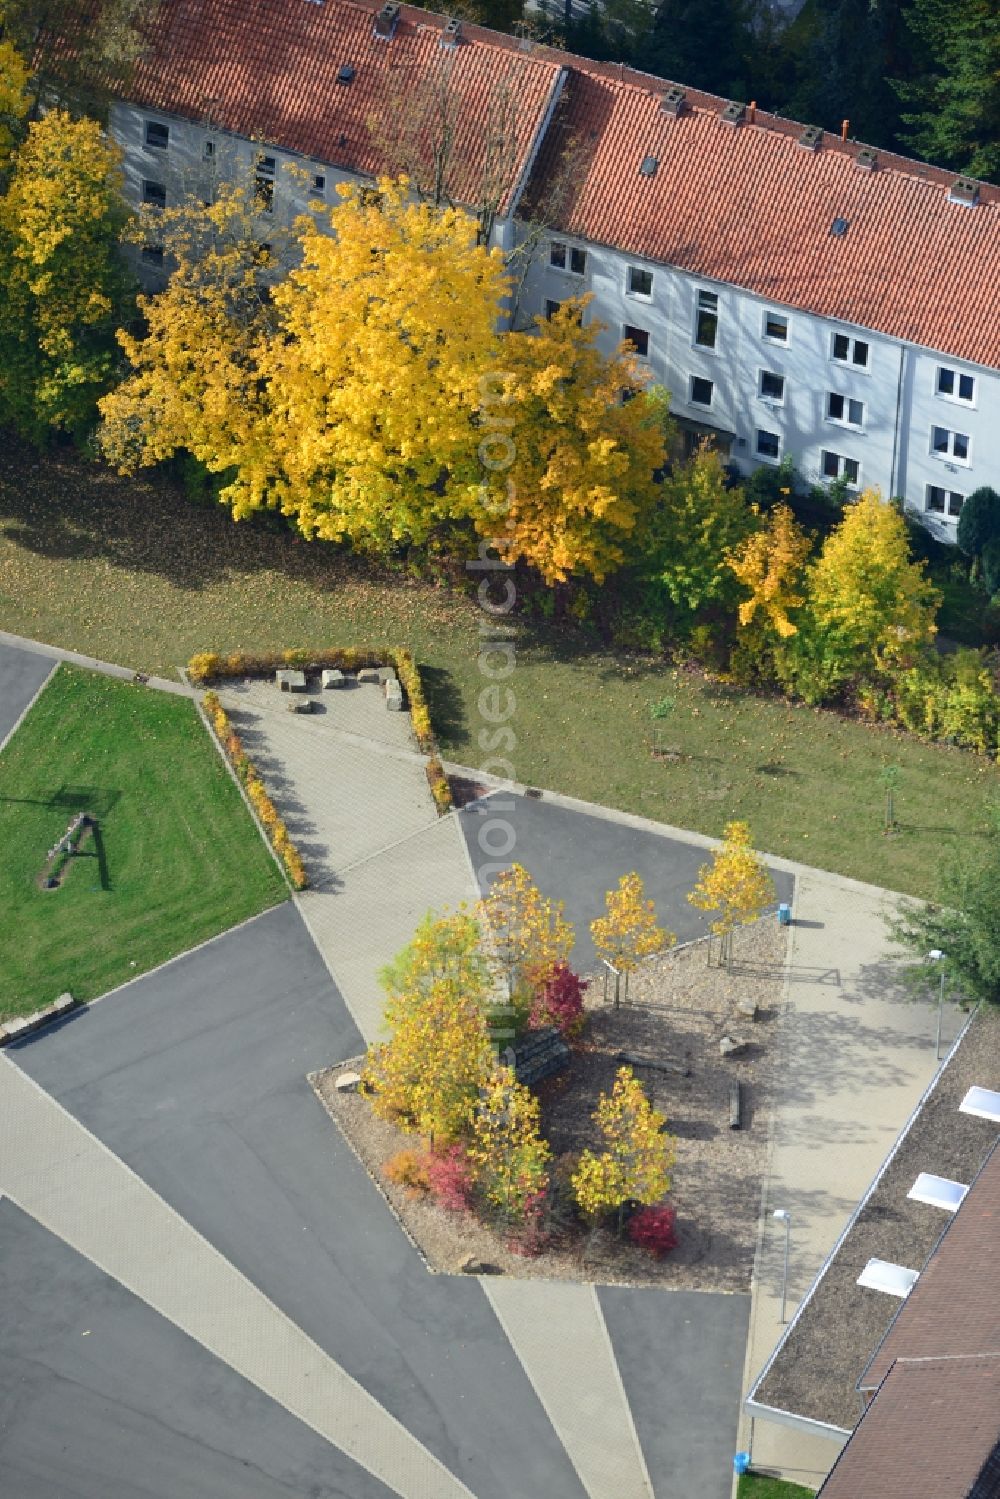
578, 857
195, 1076
681, 1359
22, 675
102, 1398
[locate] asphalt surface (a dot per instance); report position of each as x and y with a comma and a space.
21, 675
101, 1398
575, 857
195, 1077
681, 1359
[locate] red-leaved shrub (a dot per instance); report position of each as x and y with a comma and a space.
560, 1000
653, 1230
449, 1178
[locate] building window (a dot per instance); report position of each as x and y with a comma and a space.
955, 386
640, 282
702, 391
157, 135
776, 327
948, 444
152, 254
772, 386
834, 466
944, 501
209, 150
706, 320
768, 444
639, 337
155, 194
264, 183
845, 409
319, 182
847, 350
551, 308
565, 258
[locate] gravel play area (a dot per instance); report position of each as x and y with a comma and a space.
679, 1010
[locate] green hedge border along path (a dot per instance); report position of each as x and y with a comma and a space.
175, 859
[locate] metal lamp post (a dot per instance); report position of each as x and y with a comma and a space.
785, 1217
937, 956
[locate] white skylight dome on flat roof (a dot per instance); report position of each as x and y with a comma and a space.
937, 1191
983, 1102
883, 1275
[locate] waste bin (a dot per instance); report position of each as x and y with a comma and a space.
784, 914
741, 1462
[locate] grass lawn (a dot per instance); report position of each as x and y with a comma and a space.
176, 858
132, 572
753, 1486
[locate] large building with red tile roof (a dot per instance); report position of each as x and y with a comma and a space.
798, 294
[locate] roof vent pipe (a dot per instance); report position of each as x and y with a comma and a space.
845, 126
752, 111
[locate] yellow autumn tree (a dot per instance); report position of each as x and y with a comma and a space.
387, 330
769, 565
527, 932
429, 1075
637, 1157
629, 931
64, 288
194, 382
443, 949
735, 884
572, 438
869, 606
508, 1154
15, 99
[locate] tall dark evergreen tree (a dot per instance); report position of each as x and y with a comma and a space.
951, 90
850, 49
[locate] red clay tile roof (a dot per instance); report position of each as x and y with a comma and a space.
932, 1432
740, 204
748, 205
954, 1307
267, 69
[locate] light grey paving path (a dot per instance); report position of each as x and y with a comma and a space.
53, 653
102, 1398
63, 1177
857, 1054
559, 1334
22, 676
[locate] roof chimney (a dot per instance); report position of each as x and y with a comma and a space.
386, 21
964, 190
451, 32
866, 159
811, 137
733, 114
673, 101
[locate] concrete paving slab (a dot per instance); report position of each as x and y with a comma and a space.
371, 914
195, 1077
356, 708
103, 1397
22, 675
856, 1054
577, 857
681, 1359
558, 1332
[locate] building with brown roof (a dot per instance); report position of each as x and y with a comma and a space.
797, 294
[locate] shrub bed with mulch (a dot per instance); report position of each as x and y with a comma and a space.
679, 1010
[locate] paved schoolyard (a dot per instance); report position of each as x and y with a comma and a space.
22, 673
576, 856
193, 1076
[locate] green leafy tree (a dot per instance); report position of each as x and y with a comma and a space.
978, 522
951, 93
443, 949
964, 924
700, 520
65, 290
